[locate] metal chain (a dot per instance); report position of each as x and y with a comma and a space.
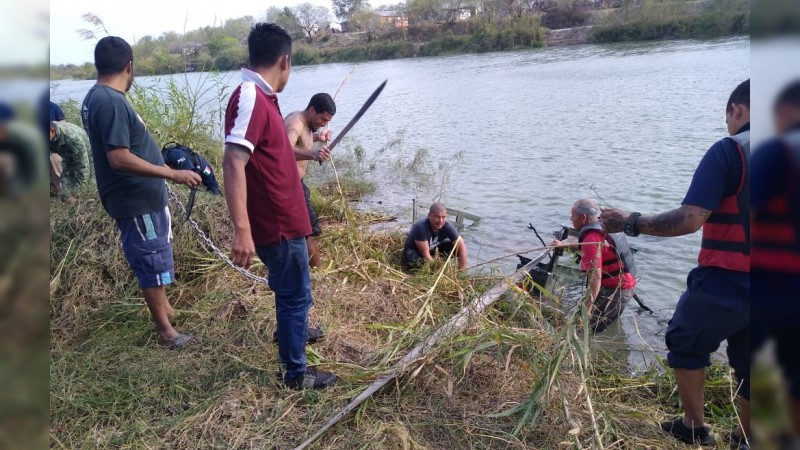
210, 244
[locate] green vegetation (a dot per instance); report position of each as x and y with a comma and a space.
511, 377
488, 38
520, 376
674, 20
205, 49
433, 29
305, 54
23, 348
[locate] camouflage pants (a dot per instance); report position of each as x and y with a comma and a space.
70, 178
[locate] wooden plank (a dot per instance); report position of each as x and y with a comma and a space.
456, 323
450, 211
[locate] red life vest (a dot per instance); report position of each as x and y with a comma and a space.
726, 233
774, 231
616, 266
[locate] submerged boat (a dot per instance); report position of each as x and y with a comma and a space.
540, 277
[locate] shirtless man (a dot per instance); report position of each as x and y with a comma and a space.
304, 129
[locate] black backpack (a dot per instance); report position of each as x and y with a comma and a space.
172, 146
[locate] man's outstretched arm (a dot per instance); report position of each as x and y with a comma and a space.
684, 220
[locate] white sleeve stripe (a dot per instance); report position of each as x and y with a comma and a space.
244, 111
240, 141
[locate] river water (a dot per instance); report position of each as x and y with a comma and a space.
517, 137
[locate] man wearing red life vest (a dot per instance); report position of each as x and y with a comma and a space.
775, 202
608, 263
716, 303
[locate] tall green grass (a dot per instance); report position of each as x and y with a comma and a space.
674, 20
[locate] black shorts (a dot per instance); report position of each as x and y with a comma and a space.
701, 322
775, 319
312, 216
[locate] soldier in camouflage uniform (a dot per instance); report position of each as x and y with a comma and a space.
72, 144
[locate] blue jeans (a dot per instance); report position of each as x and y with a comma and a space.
288, 277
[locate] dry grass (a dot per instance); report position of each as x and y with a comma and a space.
513, 379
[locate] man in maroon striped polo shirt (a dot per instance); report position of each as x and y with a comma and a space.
265, 199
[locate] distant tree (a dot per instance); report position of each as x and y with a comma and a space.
398, 7
515, 8
310, 17
344, 8
363, 20
239, 28
286, 19
427, 10
232, 59
220, 44
170, 39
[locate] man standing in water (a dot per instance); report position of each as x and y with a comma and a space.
716, 304
304, 129
265, 199
608, 263
130, 177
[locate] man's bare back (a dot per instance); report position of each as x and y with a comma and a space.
300, 136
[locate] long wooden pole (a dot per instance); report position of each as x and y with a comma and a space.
455, 324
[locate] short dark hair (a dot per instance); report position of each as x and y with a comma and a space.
789, 95
437, 208
111, 55
266, 43
739, 96
322, 103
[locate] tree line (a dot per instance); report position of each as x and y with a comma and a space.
426, 28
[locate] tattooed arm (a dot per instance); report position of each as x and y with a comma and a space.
684, 220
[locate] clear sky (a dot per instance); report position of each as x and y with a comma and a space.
23, 32
133, 20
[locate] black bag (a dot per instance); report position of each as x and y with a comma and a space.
179, 156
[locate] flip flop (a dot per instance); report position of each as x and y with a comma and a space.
178, 343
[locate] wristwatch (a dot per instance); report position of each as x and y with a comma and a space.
630, 225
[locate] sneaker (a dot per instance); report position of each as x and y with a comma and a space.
688, 435
313, 379
737, 442
312, 335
